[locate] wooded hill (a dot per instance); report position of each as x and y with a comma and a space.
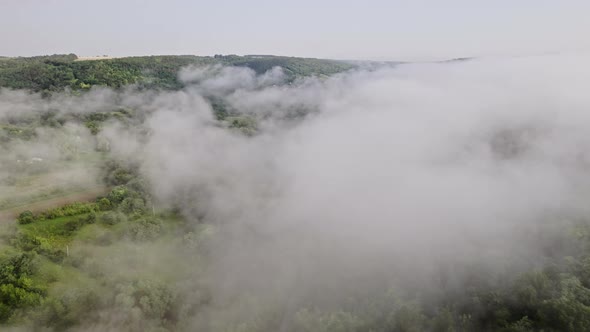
57, 72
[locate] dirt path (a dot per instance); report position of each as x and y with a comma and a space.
84, 196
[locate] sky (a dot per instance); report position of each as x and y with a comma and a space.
370, 29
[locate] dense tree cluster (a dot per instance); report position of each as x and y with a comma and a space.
57, 72
17, 288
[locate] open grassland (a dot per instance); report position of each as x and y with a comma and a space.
53, 184
87, 194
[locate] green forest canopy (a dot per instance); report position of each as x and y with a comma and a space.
56, 72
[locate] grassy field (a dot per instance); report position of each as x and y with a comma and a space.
53, 232
43, 204
52, 184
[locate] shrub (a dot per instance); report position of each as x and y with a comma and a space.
112, 218
118, 194
73, 225
145, 229
17, 289
91, 218
26, 217
26, 242
73, 209
133, 205
104, 204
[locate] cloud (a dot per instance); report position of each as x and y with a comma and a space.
396, 173
392, 174
219, 80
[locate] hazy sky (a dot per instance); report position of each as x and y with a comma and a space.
370, 29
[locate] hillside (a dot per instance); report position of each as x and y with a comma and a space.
57, 72
221, 194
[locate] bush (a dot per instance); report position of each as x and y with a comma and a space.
73, 225
26, 242
104, 204
55, 255
73, 209
90, 219
112, 218
145, 229
118, 194
133, 205
26, 217
17, 289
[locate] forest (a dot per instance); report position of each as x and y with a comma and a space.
270, 193
60, 71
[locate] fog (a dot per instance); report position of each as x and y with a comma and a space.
395, 178
403, 171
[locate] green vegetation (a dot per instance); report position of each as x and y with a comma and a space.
17, 289
245, 124
117, 261
57, 72
51, 252
293, 67
58, 271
